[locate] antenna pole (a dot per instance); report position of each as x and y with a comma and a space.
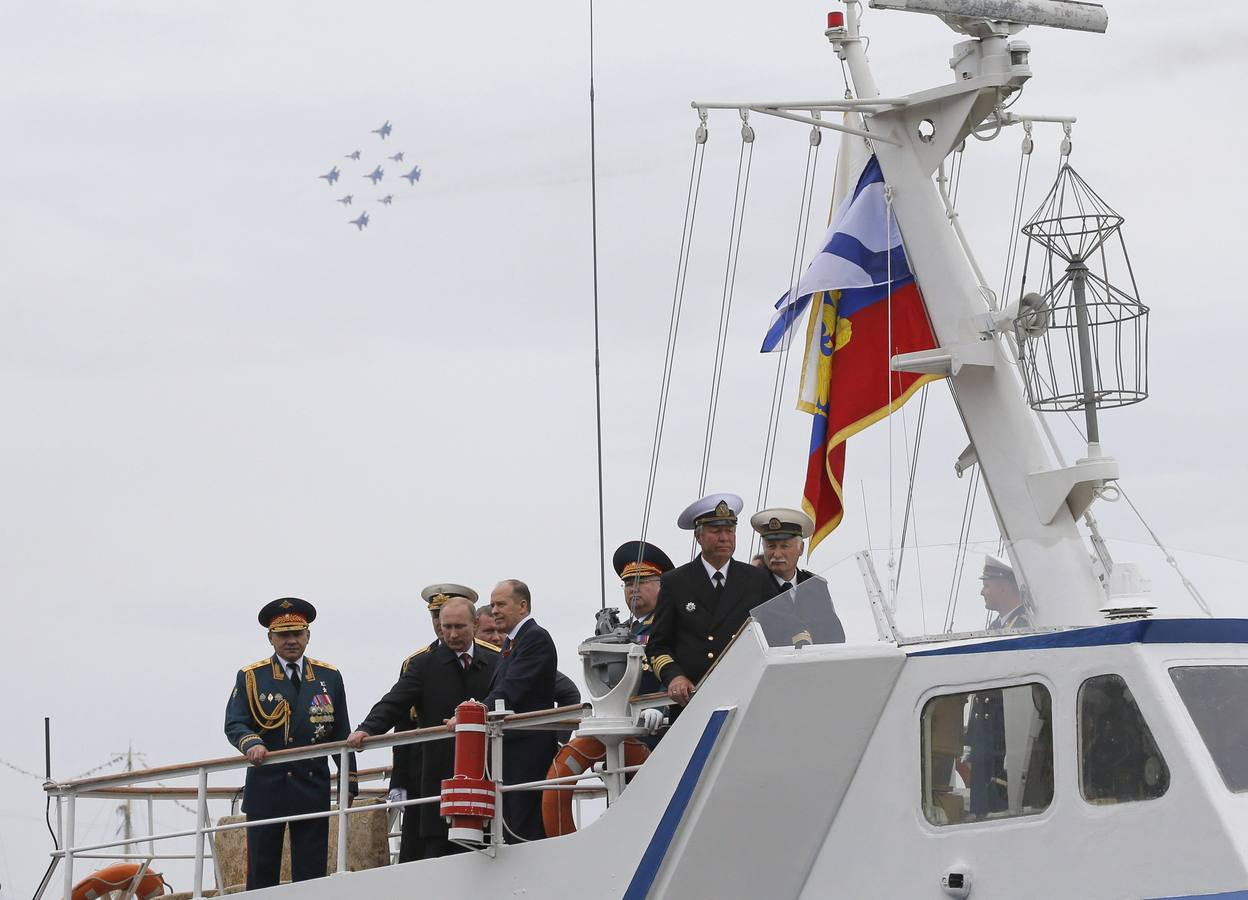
593, 205
47, 747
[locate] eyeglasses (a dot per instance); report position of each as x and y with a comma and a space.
636, 582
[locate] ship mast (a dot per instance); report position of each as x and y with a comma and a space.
1036, 503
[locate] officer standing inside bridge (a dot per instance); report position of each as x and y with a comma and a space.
283, 702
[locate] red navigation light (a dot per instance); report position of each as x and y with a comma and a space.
836, 20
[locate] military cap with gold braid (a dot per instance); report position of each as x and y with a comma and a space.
713, 509
436, 595
287, 614
639, 559
780, 523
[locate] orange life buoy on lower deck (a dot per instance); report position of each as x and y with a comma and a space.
575, 757
117, 877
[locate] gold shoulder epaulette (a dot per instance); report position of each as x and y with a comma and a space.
323, 664
487, 645
258, 664
407, 662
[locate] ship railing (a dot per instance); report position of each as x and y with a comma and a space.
122, 786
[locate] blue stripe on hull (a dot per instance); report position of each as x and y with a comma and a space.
1142, 631
652, 859
1229, 895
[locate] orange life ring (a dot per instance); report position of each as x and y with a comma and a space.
576, 756
117, 877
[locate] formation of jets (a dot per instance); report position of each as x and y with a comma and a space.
374, 177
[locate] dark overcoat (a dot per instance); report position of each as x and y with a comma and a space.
433, 683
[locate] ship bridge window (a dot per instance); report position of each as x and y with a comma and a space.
1215, 697
1118, 758
987, 754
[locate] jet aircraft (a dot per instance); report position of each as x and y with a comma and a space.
376, 175
355, 155
398, 157
360, 221
387, 200
345, 201
413, 176
384, 130
331, 176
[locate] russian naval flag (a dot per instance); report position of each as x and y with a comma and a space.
858, 283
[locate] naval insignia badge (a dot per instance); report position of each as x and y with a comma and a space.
690, 606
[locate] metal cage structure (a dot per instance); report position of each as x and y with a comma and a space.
1082, 339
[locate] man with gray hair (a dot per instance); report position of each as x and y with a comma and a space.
703, 603
805, 616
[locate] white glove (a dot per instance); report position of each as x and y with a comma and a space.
396, 795
651, 720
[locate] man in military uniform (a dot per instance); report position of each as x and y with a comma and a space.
703, 603
487, 628
434, 681
640, 565
406, 779
283, 702
1002, 596
794, 618
984, 767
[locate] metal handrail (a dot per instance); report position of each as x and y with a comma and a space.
68, 792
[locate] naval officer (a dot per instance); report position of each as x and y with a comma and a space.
703, 603
803, 617
1002, 596
285, 701
984, 769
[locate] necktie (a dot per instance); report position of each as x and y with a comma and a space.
506, 646
294, 675
465, 660
787, 586
719, 581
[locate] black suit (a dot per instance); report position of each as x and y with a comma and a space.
525, 681
433, 683
693, 623
806, 617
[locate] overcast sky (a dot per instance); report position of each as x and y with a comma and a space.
217, 392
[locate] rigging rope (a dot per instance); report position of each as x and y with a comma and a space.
745, 159
913, 462
782, 358
968, 515
673, 325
